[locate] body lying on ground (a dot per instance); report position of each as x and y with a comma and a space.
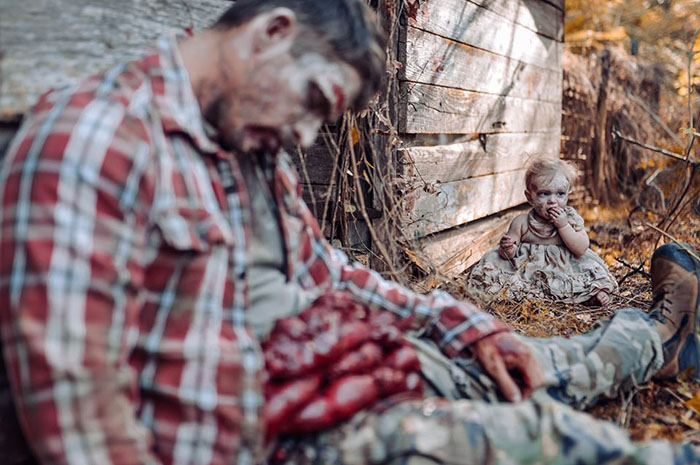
153, 230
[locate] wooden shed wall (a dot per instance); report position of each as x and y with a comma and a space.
45, 44
480, 92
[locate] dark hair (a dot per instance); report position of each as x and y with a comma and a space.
349, 27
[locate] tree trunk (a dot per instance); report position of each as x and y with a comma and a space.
599, 155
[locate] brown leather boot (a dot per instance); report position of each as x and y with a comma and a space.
675, 282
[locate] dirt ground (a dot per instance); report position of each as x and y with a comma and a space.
669, 409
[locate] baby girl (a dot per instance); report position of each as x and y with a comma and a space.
545, 252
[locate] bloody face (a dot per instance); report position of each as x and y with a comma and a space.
546, 192
283, 100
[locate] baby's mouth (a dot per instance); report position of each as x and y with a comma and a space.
546, 213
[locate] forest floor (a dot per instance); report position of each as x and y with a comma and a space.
657, 410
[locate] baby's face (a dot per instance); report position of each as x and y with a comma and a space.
546, 193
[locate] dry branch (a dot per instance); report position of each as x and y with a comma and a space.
677, 156
681, 244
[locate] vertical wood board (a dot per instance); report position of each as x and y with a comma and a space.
318, 159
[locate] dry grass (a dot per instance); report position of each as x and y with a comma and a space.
654, 411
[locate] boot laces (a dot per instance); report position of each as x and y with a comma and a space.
661, 304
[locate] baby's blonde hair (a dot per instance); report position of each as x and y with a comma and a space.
541, 167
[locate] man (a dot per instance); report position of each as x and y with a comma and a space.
149, 219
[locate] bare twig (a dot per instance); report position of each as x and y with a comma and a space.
307, 178
655, 117
626, 407
363, 208
682, 245
691, 53
682, 190
693, 132
674, 395
635, 269
677, 156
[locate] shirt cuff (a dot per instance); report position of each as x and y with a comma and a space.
461, 336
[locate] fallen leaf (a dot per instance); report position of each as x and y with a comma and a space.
694, 402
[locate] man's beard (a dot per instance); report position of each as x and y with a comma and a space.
214, 114
270, 140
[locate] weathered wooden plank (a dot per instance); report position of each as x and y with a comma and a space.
487, 154
318, 160
317, 195
559, 4
432, 109
50, 44
455, 250
468, 23
536, 15
431, 59
451, 204
357, 232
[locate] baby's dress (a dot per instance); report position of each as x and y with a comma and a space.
545, 271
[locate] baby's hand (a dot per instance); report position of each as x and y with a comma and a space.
507, 247
559, 218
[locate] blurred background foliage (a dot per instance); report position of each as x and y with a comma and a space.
660, 31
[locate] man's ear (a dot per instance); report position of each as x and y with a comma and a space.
528, 196
273, 31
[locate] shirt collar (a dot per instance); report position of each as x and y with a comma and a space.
173, 95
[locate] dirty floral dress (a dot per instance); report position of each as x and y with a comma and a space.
542, 270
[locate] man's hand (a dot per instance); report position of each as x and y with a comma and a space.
511, 364
559, 218
507, 247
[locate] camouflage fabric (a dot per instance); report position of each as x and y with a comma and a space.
616, 355
438, 431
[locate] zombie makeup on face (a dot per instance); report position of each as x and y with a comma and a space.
286, 101
331, 80
548, 192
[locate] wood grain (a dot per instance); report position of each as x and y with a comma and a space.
536, 15
432, 109
52, 44
446, 205
488, 154
471, 24
455, 250
318, 159
431, 59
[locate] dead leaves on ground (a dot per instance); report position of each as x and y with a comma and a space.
657, 410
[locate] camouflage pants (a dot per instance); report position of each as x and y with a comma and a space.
620, 353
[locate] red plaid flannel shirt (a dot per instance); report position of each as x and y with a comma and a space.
123, 276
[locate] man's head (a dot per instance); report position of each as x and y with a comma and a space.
283, 67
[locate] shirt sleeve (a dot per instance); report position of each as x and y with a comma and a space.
454, 325
69, 280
